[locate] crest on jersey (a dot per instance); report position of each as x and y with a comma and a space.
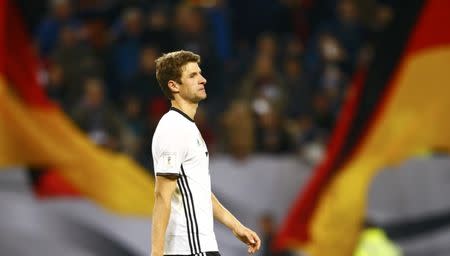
200, 141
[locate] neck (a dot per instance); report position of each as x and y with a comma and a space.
187, 107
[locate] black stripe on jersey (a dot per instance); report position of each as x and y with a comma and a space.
216, 253
191, 213
193, 208
188, 223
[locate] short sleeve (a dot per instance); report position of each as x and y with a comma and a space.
169, 152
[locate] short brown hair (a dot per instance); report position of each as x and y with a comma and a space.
169, 67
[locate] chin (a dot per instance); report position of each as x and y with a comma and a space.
199, 98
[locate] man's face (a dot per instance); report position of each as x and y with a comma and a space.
192, 87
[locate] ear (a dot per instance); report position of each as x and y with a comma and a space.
173, 86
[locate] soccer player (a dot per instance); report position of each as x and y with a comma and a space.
184, 204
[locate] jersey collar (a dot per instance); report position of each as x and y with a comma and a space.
182, 113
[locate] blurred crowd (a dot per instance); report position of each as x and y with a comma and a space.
277, 70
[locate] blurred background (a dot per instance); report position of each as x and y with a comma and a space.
282, 66
299, 122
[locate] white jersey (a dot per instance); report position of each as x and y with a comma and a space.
179, 149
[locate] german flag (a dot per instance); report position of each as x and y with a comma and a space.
35, 132
396, 110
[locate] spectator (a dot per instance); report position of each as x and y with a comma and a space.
56, 88
267, 226
239, 130
190, 31
47, 32
267, 45
293, 47
323, 50
264, 83
128, 44
298, 88
271, 137
132, 118
158, 31
219, 18
99, 41
322, 111
347, 30
143, 84
76, 60
333, 83
96, 117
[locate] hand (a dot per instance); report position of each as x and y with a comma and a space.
248, 237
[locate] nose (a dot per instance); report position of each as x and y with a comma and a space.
202, 79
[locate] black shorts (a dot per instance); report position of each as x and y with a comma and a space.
207, 254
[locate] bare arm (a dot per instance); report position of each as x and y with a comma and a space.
164, 188
243, 233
